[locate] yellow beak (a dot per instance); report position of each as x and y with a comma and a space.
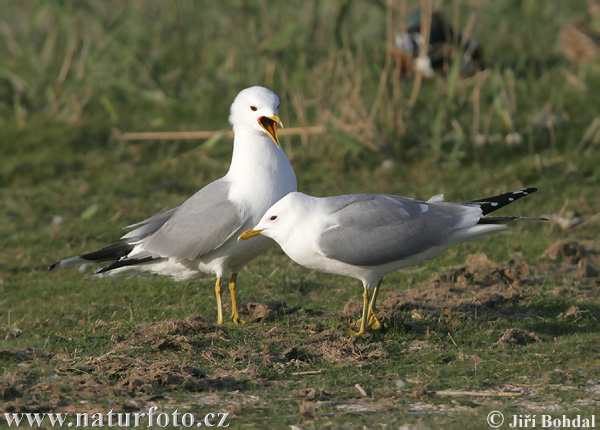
248, 234
269, 123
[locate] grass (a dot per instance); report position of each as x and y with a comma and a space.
74, 75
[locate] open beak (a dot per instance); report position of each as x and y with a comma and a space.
250, 233
270, 126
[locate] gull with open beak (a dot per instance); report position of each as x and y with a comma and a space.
200, 235
269, 123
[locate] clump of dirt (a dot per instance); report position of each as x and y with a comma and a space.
163, 374
569, 251
30, 391
336, 349
572, 313
421, 393
586, 270
11, 385
169, 334
516, 336
312, 394
252, 310
580, 259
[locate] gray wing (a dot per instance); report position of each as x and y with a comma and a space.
148, 226
369, 230
200, 225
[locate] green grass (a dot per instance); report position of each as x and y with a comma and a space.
75, 75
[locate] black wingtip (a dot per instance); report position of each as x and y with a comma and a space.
53, 266
123, 263
491, 204
110, 252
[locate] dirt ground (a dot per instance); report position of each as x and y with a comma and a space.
162, 358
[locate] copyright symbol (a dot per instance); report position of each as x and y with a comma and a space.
495, 419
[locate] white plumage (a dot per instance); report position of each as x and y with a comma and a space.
367, 236
200, 235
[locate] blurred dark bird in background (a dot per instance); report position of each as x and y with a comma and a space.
444, 46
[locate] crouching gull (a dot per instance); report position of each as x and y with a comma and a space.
367, 236
200, 235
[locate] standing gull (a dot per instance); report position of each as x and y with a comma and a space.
200, 235
367, 236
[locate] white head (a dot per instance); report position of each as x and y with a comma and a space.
281, 219
256, 109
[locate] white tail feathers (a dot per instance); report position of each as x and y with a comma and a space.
477, 232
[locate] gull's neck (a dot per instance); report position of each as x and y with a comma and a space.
251, 150
260, 172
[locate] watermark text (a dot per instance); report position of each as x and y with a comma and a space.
150, 418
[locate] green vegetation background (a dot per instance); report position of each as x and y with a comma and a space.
75, 75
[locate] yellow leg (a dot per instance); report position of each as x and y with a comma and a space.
373, 323
234, 309
219, 301
365, 317
373, 320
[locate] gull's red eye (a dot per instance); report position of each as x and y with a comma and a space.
273, 218
253, 108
